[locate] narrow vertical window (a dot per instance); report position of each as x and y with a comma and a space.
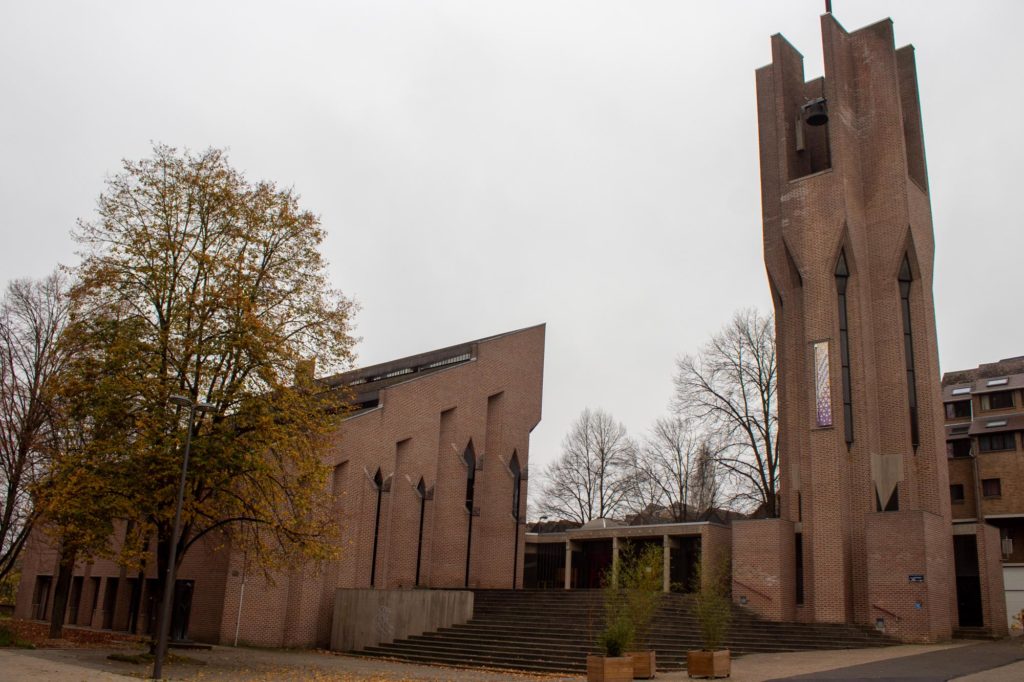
469, 456
905, 278
421, 490
842, 278
822, 385
517, 481
378, 483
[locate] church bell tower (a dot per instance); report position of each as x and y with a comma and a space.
865, 532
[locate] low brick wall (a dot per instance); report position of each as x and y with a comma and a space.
365, 618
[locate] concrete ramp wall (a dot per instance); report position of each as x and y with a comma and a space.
365, 618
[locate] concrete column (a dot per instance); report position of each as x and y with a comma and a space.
568, 564
615, 561
666, 566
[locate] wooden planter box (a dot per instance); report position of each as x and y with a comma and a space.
644, 667
708, 663
608, 669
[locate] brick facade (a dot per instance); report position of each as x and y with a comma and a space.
908, 563
416, 417
764, 566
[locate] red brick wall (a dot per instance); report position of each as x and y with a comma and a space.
903, 544
990, 565
764, 567
421, 429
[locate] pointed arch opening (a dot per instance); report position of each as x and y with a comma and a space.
469, 458
378, 483
517, 483
421, 491
905, 277
842, 275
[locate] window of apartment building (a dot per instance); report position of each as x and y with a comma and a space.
997, 401
993, 442
991, 487
956, 492
958, 448
961, 409
1006, 542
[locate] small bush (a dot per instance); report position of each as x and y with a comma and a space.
713, 606
8, 638
616, 637
640, 579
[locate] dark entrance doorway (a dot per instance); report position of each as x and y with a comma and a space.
968, 581
180, 608
683, 568
544, 567
41, 596
590, 562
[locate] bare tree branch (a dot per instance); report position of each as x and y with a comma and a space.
730, 386
591, 479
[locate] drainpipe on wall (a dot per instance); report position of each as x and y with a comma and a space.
978, 515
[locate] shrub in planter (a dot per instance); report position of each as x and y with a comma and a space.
640, 580
613, 665
713, 610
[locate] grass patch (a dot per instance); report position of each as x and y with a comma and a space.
8, 638
146, 657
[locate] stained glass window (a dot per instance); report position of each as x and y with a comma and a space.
822, 385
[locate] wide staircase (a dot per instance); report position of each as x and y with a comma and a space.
554, 630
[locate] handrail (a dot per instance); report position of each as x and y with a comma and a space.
885, 610
752, 589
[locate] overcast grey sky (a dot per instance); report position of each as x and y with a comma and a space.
484, 166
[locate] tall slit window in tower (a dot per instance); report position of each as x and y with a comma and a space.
469, 457
842, 278
378, 483
517, 482
905, 278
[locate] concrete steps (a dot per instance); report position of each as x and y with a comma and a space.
554, 630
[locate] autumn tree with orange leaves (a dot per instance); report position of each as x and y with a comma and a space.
196, 281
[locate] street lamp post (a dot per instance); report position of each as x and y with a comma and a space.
165, 612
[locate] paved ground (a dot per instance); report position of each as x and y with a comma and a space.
977, 661
963, 661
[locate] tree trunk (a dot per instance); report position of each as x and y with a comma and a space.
163, 557
61, 591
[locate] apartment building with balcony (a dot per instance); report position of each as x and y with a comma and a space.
984, 411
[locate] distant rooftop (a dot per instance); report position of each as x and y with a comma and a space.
1007, 374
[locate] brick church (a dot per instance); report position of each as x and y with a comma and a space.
429, 485
429, 473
